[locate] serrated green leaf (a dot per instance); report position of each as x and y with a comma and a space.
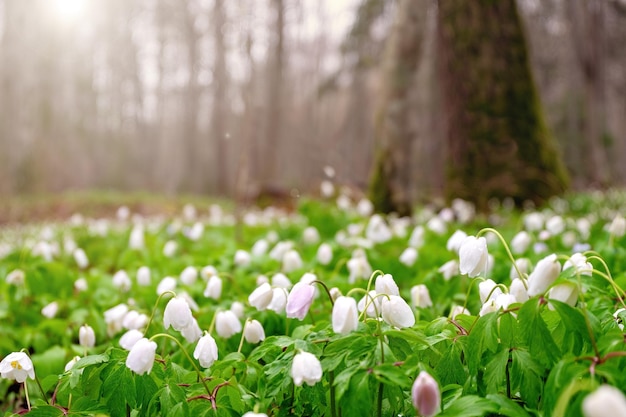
484, 337
495, 373
536, 335
526, 376
450, 369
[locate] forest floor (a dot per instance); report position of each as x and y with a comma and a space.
34, 208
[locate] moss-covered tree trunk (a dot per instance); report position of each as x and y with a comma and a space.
498, 143
390, 182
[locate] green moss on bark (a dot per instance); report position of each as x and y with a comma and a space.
498, 142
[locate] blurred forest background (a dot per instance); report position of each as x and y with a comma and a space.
202, 96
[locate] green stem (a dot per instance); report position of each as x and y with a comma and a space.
618, 290
330, 297
338, 266
198, 371
374, 274
243, 332
156, 304
506, 248
331, 383
26, 392
379, 402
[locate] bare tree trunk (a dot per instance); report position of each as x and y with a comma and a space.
194, 172
269, 161
498, 143
587, 30
220, 83
391, 184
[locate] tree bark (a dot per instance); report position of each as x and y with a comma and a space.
390, 186
498, 143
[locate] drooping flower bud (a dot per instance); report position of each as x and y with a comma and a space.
420, 297
605, 401
544, 274
291, 261
227, 324
566, 292
385, 284
518, 290
141, 357
324, 254
177, 314
189, 275
521, 242
306, 368
396, 312
455, 241
449, 269
473, 256
345, 315
81, 258
206, 351
213, 287
253, 332
488, 290
408, 256
143, 276
299, 300
426, 395
86, 336
130, 338
261, 297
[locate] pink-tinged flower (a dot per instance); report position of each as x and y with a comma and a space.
396, 312
17, 366
206, 351
604, 402
544, 274
306, 368
299, 300
473, 256
345, 315
177, 314
426, 395
141, 357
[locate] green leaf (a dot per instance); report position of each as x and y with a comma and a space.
576, 334
508, 407
536, 335
470, 406
495, 373
392, 375
46, 411
484, 337
526, 376
450, 369
118, 388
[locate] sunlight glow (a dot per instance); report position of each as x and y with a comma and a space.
69, 10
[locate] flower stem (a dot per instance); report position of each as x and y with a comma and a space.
331, 382
243, 332
379, 402
155, 307
198, 371
26, 392
330, 297
506, 248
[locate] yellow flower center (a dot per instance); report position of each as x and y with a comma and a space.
16, 365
